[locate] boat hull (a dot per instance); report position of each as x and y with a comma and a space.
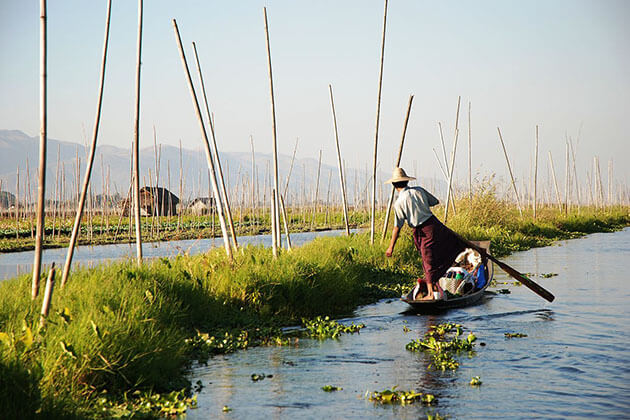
432, 306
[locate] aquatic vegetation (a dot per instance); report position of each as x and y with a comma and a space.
515, 335
548, 275
259, 377
226, 409
331, 388
443, 343
395, 396
326, 328
141, 404
435, 416
475, 381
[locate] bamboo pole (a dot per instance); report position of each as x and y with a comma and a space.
507, 160
224, 195
136, 142
600, 186
90, 160
450, 176
342, 181
181, 187
253, 192
397, 164
55, 213
286, 184
566, 179
555, 182
378, 115
50, 284
286, 226
319, 167
41, 188
274, 243
276, 201
444, 171
536, 174
206, 143
575, 177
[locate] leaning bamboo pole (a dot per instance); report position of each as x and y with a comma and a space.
215, 151
446, 165
397, 164
507, 160
50, 284
286, 225
136, 142
342, 181
206, 143
378, 115
276, 220
286, 184
90, 160
41, 188
450, 176
319, 167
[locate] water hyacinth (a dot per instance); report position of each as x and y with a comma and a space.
326, 328
442, 342
395, 396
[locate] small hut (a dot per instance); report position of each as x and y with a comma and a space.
202, 205
154, 201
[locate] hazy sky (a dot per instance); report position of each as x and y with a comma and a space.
560, 64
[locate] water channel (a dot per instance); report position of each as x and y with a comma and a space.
17, 263
574, 362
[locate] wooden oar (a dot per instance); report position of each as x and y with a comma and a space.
533, 286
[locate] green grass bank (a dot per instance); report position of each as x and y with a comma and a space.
118, 335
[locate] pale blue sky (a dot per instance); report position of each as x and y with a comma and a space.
560, 64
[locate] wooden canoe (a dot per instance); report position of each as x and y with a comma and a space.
431, 306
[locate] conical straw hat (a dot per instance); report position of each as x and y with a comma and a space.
399, 175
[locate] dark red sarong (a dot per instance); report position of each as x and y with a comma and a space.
438, 246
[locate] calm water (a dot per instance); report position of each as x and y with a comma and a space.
14, 264
575, 362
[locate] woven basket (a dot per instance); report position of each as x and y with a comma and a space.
450, 284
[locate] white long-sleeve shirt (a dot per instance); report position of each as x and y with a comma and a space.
413, 206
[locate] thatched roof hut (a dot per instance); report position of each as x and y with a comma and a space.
154, 201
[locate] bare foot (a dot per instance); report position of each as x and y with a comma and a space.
428, 297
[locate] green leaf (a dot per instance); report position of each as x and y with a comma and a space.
68, 350
96, 330
66, 315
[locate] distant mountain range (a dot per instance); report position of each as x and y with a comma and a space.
17, 148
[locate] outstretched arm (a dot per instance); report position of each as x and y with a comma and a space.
392, 243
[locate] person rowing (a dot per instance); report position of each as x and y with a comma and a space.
438, 245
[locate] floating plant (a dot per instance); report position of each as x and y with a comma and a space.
331, 388
394, 396
442, 342
515, 335
475, 381
326, 328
